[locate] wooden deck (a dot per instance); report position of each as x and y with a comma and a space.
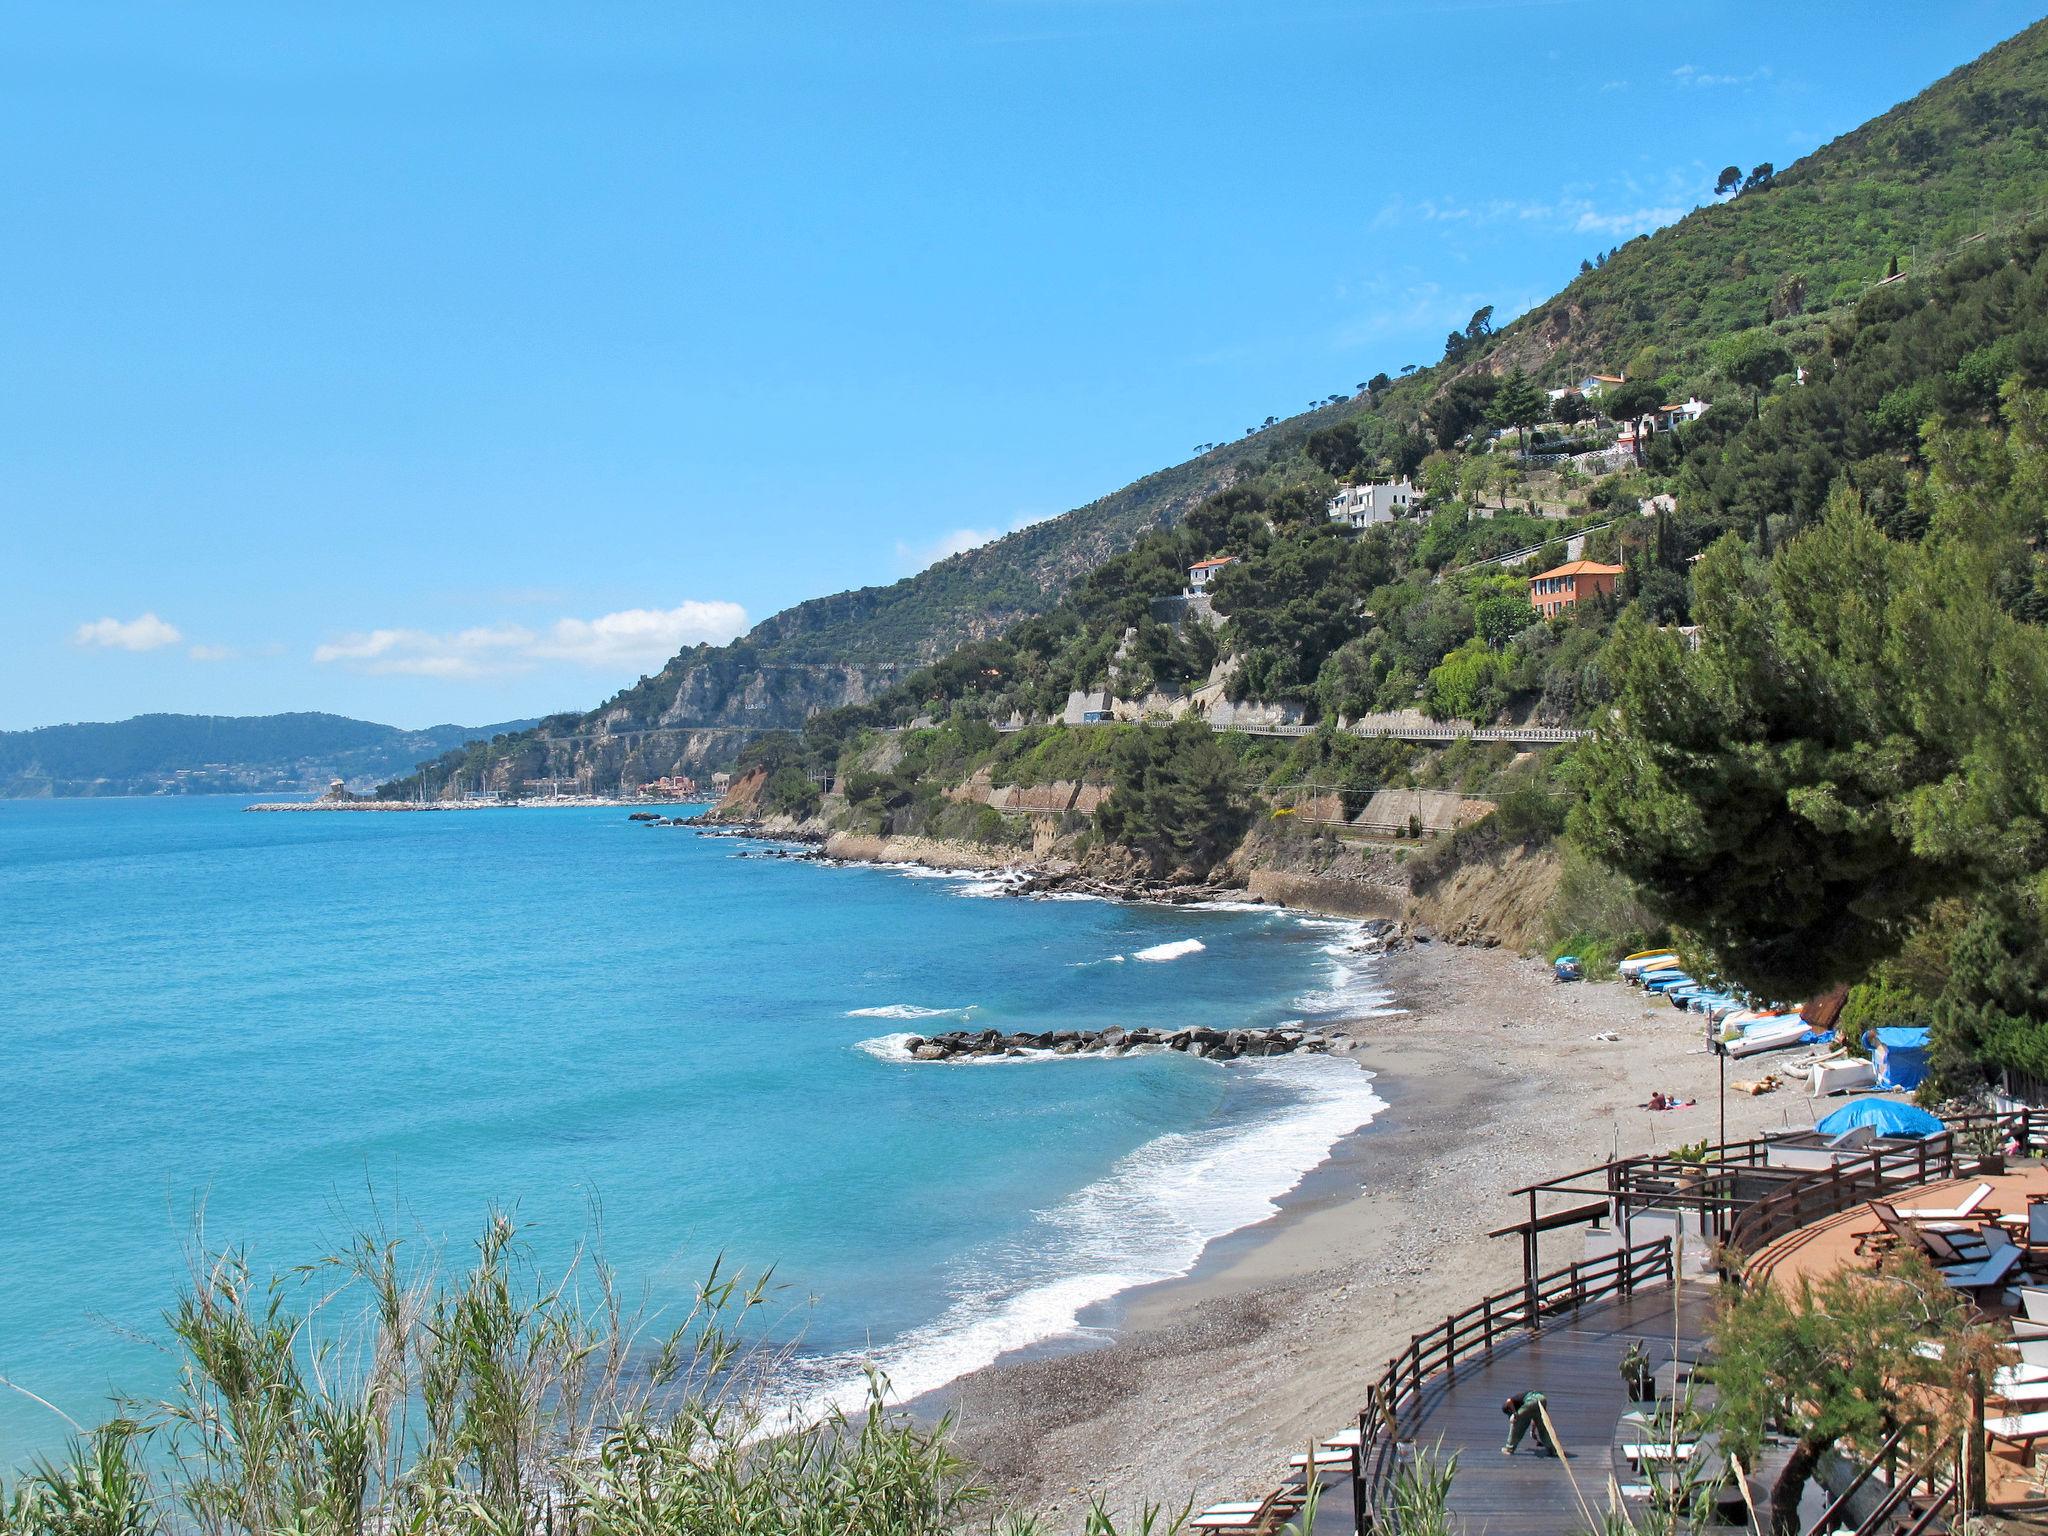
1574, 1363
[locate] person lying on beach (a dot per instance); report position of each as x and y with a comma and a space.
1525, 1411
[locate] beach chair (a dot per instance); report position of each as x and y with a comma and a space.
2037, 1222
2020, 1394
1328, 1459
2002, 1258
2019, 1430
1248, 1519
2034, 1299
1649, 1454
1965, 1207
1955, 1250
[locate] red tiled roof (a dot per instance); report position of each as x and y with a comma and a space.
1580, 568
1203, 565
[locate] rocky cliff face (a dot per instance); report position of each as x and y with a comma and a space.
714, 711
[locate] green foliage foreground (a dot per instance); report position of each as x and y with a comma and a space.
361, 1394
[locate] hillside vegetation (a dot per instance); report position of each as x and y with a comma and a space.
1781, 258
214, 754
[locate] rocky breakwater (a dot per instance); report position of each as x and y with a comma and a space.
1210, 1044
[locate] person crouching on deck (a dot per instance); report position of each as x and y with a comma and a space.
1525, 1411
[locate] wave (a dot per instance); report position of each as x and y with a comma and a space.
1147, 1220
1080, 965
1351, 988
1171, 951
908, 1011
887, 1047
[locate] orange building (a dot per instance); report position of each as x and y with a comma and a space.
1556, 590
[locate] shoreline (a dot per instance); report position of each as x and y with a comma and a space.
1205, 1384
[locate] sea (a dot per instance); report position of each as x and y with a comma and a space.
272, 1031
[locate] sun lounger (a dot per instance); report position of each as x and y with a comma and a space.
2020, 1429
1988, 1271
2018, 1376
1325, 1458
2021, 1392
1641, 1454
1248, 1519
2037, 1223
2035, 1299
1968, 1204
1344, 1438
2027, 1328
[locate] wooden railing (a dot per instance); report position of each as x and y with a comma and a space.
1475, 1331
1853, 1181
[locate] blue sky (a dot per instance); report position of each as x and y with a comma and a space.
455, 362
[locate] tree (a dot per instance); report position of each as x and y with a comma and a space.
1480, 325
1377, 383
1455, 346
1840, 1359
1760, 178
1336, 450
1861, 735
1467, 684
1175, 800
1729, 179
1498, 619
1518, 404
1629, 404
1754, 360
1569, 408
1585, 265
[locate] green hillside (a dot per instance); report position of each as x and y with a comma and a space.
212, 754
1776, 265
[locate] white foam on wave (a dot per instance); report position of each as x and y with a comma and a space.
1148, 1219
1171, 951
908, 1011
1351, 988
1231, 906
1105, 960
887, 1047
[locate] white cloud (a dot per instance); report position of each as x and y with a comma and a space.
643, 637
912, 558
213, 653
1630, 222
1688, 75
639, 636
915, 557
147, 633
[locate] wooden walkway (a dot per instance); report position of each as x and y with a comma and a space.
1574, 1362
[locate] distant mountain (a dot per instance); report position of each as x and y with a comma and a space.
1905, 192
220, 754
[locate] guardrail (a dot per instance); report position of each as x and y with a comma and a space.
1475, 1331
1853, 1181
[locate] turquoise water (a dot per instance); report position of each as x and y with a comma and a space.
293, 1020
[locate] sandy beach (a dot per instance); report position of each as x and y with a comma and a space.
1494, 1076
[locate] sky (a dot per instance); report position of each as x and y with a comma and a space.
458, 363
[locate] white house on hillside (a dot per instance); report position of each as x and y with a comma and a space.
1202, 572
1367, 506
1598, 383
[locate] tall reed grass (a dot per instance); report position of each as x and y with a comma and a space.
371, 1394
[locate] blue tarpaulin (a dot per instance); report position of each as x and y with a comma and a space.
1899, 1055
1887, 1117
